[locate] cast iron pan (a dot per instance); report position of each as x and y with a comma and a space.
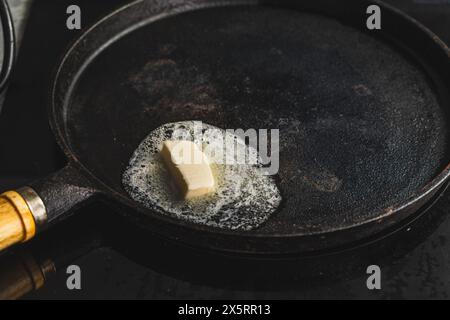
362, 114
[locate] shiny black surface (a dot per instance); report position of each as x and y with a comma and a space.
415, 263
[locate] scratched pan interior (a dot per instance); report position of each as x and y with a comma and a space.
363, 126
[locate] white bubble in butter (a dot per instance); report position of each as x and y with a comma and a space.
244, 197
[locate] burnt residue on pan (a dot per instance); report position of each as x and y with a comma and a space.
162, 84
361, 127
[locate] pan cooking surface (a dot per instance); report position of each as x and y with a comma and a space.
361, 128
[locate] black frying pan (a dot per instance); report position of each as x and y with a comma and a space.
362, 114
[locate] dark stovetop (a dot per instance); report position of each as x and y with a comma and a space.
415, 261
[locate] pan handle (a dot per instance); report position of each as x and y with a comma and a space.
29, 210
21, 273
9, 44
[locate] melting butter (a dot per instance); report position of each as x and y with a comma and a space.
244, 198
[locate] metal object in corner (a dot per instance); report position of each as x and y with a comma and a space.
9, 41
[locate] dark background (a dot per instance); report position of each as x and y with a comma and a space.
118, 261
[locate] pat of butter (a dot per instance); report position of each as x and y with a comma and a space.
189, 167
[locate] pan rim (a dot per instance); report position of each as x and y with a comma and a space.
107, 190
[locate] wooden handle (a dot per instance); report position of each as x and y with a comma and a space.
16, 220
19, 275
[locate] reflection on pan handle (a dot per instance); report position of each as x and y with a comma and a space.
21, 274
29, 210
